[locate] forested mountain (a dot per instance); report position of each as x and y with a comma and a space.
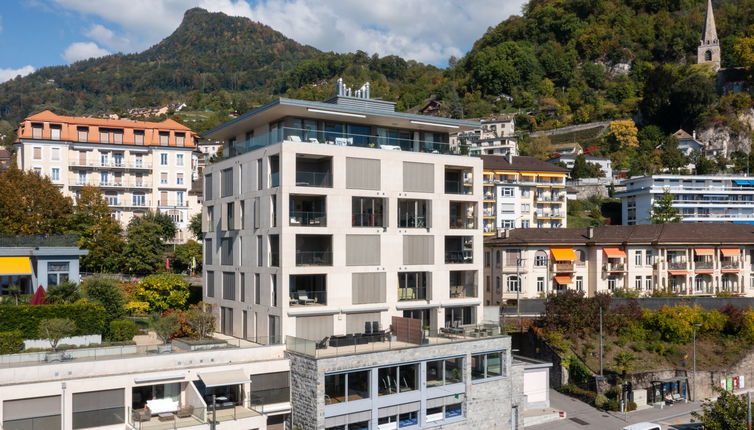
562, 62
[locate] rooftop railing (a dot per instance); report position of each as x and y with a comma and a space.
391, 143
35, 241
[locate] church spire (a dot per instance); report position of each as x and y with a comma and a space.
709, 35
709, 46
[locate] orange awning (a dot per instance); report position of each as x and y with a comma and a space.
730, 252
678, 272
563, 254
704, 251
705, 272
730, 270
563, 280
614, 252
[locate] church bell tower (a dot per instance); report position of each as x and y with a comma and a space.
709, 46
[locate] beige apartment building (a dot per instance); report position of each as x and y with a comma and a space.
137, 165
328, 216
688, 259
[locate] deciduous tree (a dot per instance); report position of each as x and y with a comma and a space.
31, 205
663, 211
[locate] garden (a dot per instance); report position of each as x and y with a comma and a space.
154, 315
636, 339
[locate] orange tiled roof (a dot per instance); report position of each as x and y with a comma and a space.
50, 116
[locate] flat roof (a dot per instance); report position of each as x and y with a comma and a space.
283, 107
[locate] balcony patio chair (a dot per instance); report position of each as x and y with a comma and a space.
294, 138
141, 415
368, 328
303, 297
322, 344
185, 412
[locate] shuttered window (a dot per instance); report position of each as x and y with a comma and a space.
210, 280
227, 182
362, 174
226, 251
229, 286
362, 250
355, 323
368, 288
418, 177
98, 408
37, 407
418, 249
207, 252
208, 187
314, 328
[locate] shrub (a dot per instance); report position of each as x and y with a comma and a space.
201, 321
612, 405
163, 291
631, 406
585, 395
165, 326
88, 317
55, 329
122, 330
106, 292
65, 292
137, 308
713, 322
578, 372
600, 401
557, 341
675, 324
11, 342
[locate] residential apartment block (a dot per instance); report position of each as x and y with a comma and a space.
137, 165
522, 192
328, 216
697, 198
688, 259
495, 135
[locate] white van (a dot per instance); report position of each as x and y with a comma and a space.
643, 426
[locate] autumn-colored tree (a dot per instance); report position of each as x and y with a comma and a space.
623, 134
31, 205
163, 291
98, 232
744, 50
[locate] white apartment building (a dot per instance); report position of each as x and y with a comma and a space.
495, 135
326, 216
522, 192
137, 165
697, 198
688, 259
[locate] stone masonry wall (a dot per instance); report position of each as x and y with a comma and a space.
305, 393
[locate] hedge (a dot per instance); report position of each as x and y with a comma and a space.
88, 317
123, 330
11, 342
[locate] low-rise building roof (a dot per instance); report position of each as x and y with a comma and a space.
520, 164
675, 233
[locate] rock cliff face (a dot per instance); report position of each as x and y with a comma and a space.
724, 139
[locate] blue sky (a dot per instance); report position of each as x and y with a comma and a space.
38, 33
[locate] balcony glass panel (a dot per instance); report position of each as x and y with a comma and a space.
462, 284
462, 215
313, 250
458, 181
307, 290
413, 285
308, 211
459, 249
313, 171
413, 213
368, 212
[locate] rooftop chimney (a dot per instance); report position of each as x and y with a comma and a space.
590, 232
509, 156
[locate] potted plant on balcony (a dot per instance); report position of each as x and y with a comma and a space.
55, 329
164, 327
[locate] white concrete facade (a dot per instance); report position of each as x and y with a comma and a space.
697, 198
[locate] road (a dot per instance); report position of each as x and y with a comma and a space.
582, 416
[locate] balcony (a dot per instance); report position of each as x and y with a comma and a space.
704, 265
110, 165
413, 213
675, 265
545, 198
110, 184
730, 264
613, 267
550, 214
562, 267
462, 215
313, 171
459, 250
172, 203
307, 290
368, 212
413, 286
313, 250
307, 211
463, 284
458, 181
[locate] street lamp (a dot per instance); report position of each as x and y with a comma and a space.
693, 381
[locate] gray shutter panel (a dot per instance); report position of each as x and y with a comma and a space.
355, 322
257, 211
362, 174
270, 381
387, 412
418, 249
368, 288
96, 400
409, 407
418, 177
314, 328
30, 408
363, 250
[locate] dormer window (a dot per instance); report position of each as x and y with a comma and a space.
55, 131
36, 130
82, 134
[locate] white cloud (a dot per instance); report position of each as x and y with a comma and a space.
104, 36
426, 31
83, 50
8, 74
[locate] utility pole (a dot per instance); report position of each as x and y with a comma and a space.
748, 409
601, 368
213, 426
693, 382
518, 292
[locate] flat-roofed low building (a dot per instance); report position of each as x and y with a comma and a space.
688, 259
31, 261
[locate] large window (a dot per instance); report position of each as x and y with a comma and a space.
368, 212
489, 365
458, 316
398, 379
443, 372
413, 213
346, 387
413, 285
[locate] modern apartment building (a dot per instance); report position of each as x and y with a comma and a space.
495, 135
697, 198
522, 192
326, 216
688, 259
138, 165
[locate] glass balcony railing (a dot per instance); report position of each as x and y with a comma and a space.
344, 139
314, 179
367, 220
307, 297
458, 187
50, 422
313, 219
457, 257
313, 258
